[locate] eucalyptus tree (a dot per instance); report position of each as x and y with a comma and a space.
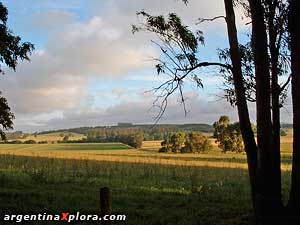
252, 73
12, 49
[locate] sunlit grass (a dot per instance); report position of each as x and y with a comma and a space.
151, 188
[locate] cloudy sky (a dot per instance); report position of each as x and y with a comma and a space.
88, 69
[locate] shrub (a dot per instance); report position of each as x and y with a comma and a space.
14, 142
186, 143
197, 142
283, 133
30, 142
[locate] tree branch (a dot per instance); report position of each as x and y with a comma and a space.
201, 20
285, 84
205, 64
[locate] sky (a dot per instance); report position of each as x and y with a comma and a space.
88, 69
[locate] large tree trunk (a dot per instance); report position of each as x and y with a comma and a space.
274, 53
245, 124
268, 196
294, 28
276, 128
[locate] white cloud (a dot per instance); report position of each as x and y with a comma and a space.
52, 90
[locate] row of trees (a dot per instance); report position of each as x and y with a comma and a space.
182, 142
130, 137
25, 142
151, 132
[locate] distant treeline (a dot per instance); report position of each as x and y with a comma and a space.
132, 135
146, 129
286, 126
24, 142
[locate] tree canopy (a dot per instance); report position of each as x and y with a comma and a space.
194, 142
12, 49
228, 135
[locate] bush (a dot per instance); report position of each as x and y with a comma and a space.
163, 149
30, 142
283, 133
197, 142
186, 143
14, 142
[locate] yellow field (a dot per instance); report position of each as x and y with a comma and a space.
148, 154
53, 137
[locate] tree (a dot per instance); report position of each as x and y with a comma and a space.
174, 142
294, 24
269, 40
66, 138
29, 142
196, 142
6, 117
11, 50
228, 135
177, 141
137, 140
220, 125
166, 145
283, 133
186, 143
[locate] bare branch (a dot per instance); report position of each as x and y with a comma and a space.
285, 84
205, 64
201, 20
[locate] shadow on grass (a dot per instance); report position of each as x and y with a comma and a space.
146, 194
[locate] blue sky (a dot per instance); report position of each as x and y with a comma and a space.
88, 69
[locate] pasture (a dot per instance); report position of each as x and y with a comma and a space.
151, 188
53, 137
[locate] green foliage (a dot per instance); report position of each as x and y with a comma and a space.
172, 30
11, 50
179, 46
156, 133
13, 142
283, 133
6, 116
177, 141
186, 143
11, 47
130, 137
30, 142
166, 146
228, 135
220, 125
173, 142
197, 142
66, 138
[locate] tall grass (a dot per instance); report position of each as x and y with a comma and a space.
147, 194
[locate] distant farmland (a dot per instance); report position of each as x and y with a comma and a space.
209, 188
39, 148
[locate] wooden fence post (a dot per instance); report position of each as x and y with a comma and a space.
105, 204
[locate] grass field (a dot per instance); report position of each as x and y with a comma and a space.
53, 137
150, 188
